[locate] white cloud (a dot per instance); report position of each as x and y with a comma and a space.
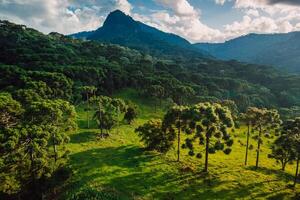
249, 25
181, 18
252, 12
124, 5
177, 16
220, 2
179, 7
259, 17
64, 16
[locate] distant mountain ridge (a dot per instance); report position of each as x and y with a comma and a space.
279, 50
122, 29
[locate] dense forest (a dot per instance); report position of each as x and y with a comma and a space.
26, 53
46, 78
278, 50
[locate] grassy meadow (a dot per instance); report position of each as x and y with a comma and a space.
117, 167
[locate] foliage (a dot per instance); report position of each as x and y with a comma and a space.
10, 111
59, 66
107, 113
209, 123
291, 131
42, 75
29, 133
176, 118
131, 113
263, 121
155, 137
282, 151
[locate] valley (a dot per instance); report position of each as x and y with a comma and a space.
131, 112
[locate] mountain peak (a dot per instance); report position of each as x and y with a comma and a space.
118, 17
120, 28
117, 12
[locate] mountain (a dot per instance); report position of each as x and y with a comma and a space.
121, 29
279, 50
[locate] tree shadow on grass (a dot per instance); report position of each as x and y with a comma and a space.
209, 190
108, 163
212, 187
82, 137
82, 123
136, 173
282, 175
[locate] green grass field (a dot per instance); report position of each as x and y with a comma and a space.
118, 168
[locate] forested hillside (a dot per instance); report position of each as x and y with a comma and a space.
278, 50
86, 120
112, 67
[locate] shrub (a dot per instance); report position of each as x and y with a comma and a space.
154, 137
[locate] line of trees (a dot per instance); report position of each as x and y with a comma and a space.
108, 111
204, 124
208, 125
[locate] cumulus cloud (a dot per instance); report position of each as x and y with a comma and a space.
220, 2
181, 18
124, 5
179, 7
175, 16
252, 12
64, 16
260, 16
257, 25
281, 13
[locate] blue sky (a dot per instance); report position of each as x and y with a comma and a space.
195, 20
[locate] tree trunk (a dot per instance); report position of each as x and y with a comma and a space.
297, 169
178, 144
100, 120
258, 148
206, 154
283, 166
247, 145
88, 118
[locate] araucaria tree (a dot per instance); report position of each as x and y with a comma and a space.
248, 118
10, 115
176, 118
59, 116
282, 150
120, 107
155, 136
180, 94
156, 91
263, 121
210, 122
28, 138
89, 91
107, 113
291, 130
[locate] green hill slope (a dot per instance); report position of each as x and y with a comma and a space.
112, 67
118, 168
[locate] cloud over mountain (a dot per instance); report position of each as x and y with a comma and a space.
183, 17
